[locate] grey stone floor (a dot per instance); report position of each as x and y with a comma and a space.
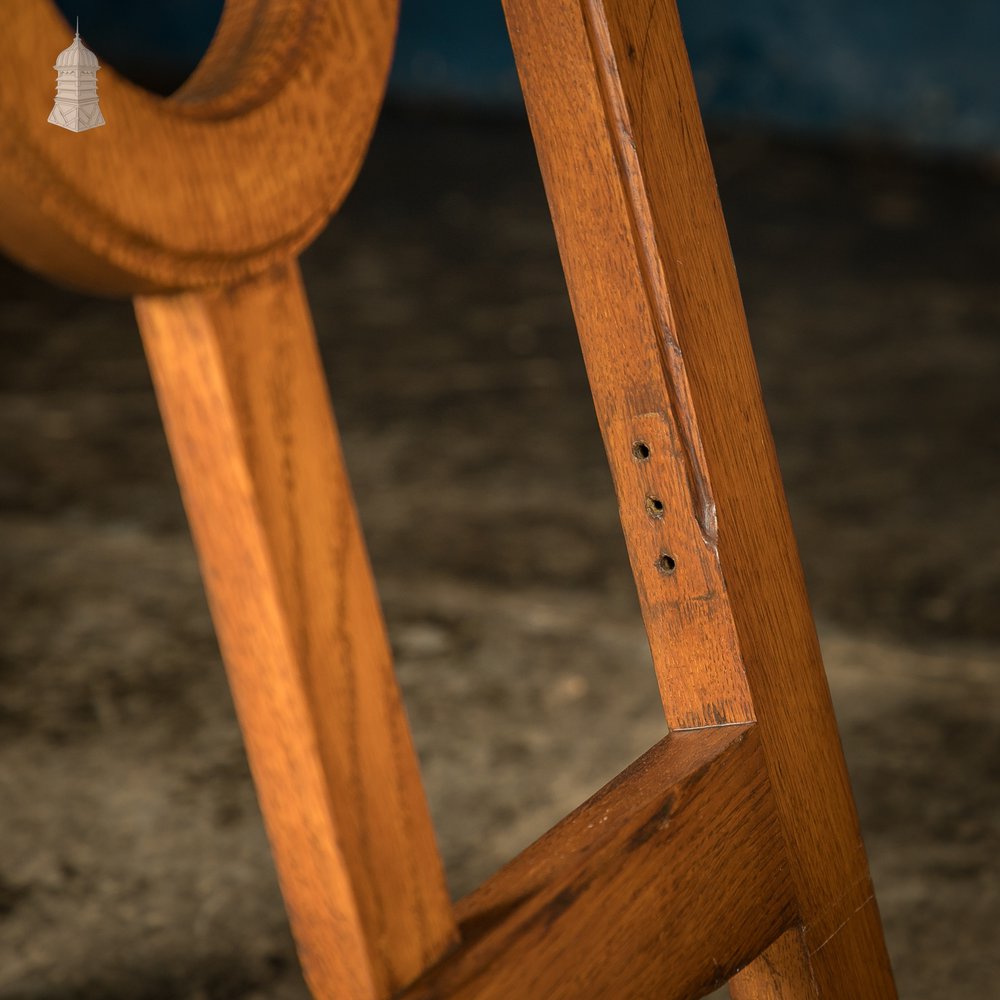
132, 861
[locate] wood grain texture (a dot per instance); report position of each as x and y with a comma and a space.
639, 387
236, 172
245, 406
737, 834
782, 972
662, 884
654, 290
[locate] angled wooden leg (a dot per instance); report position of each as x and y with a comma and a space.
245, 406
658, 308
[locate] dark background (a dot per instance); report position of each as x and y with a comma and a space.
854, 146
916, 72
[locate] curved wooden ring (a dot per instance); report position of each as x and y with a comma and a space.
238, 170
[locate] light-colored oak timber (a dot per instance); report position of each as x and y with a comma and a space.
735, 837
656, 299
246, 411
782, 972
662, 884
626, 333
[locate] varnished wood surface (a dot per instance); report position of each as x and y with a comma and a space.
736, 834
236, 172
662, 884
627, 333
782, 972
248, 419
657, 303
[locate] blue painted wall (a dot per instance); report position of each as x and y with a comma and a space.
915, 71
455, 51
925, 72
919, 71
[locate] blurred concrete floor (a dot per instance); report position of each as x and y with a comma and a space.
132, 861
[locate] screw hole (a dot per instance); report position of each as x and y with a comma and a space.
666, 564
654, 507
640, 451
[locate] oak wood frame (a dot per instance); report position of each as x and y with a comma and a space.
736, 837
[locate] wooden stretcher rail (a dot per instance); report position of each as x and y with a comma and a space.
664, 883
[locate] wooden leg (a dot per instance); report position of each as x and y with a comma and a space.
245, 407
658, 308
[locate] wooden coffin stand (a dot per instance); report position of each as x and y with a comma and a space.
731, 849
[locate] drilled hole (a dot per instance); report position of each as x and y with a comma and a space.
654, 507
640, 451
666, 564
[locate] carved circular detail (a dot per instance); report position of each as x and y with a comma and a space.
237, 171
